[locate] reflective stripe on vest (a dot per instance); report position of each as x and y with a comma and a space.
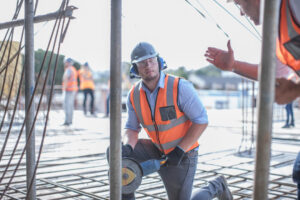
169, 145
72, 81
86, 80
288, 48
164, 134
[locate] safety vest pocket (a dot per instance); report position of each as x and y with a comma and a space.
167, 113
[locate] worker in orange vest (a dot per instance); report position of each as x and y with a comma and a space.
70, 88
170, 111
87, 85
287, 53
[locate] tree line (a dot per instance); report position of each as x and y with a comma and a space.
182, 71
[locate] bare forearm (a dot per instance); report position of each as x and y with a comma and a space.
130, 137
247, 70
193, 134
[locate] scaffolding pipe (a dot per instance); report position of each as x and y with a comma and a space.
266, 98
29, 86
115, 101
41, 18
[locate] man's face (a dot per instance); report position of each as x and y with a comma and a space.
250, 8
148, 69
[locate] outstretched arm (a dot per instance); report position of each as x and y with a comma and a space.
224, 60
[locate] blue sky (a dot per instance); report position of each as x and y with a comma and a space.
176, 30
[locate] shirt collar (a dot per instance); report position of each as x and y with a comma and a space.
160, 84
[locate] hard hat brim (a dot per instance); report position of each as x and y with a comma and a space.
144, 58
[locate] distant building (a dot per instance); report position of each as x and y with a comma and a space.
224, 92
216, 83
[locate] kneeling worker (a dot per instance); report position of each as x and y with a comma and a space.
171, 113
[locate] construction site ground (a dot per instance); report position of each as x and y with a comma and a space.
73, 163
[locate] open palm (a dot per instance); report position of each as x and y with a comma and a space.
220, 58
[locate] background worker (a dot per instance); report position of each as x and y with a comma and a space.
170, 111
287, 53
70, 88
107, 100
87, 86
289, 116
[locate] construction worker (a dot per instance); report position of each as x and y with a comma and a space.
287, 53
87, 86
107, 100
290, 122
170, 111
70, 88
287, 50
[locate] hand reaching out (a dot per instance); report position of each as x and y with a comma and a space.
220, 58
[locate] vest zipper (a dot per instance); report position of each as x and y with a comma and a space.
153, 120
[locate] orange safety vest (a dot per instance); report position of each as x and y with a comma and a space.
169, 125
287, 44
72, 80
86, 79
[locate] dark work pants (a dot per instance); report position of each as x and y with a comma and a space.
296, 173
178, 180
289, 114
107, 105
87, 92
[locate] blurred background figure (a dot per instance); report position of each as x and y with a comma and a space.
70, 88
107, 100
289, 116
289, 106
87, 85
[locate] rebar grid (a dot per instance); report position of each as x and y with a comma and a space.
86, 177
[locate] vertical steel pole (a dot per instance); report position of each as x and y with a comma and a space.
29, 86
115, 100
266, 99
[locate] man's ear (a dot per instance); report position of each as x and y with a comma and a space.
134, 73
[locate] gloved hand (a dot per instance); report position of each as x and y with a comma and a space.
126, 151
175, 156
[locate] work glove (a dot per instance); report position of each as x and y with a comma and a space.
174, 157
126, 151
